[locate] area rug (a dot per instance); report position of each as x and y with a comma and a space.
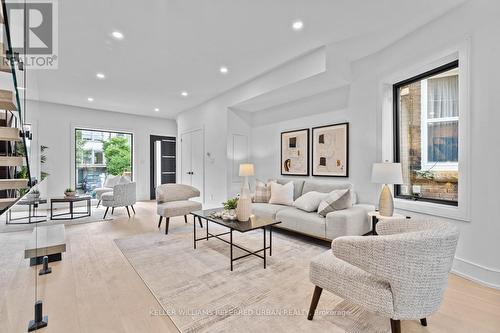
97, 216
200, 294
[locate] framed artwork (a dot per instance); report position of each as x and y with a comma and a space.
330, 150
295, 153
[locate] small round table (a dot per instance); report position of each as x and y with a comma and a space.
375, 216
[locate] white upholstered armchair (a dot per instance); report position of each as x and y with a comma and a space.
400, 274
173, 200
123, 195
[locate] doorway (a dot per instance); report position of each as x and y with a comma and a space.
162, 162
192, 160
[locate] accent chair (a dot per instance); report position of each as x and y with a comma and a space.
401, 274
173, 200
123, 195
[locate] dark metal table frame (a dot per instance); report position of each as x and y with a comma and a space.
231, 243
72, 214
32, 218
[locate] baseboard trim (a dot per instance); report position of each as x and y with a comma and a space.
486, 276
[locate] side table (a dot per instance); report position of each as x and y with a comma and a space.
375, 216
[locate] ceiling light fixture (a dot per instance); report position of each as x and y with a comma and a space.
223, 70
100, 76
298, 25
184, 94
117, 35
90, 99
156, 109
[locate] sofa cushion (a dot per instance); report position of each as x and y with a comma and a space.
177, 208
324, 187
310, 201
298, 220
336, 200
298, 184
281, 194
266, 210
353, 221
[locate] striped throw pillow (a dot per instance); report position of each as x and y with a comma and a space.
262, 192
336, 200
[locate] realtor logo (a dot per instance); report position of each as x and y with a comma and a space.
34, 32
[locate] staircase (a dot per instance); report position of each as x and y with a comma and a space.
14, 163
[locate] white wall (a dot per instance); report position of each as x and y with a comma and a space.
477, 252
53, 127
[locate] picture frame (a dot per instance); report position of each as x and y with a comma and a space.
295, 153
330, 150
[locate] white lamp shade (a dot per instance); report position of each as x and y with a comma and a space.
246, 170
387, 173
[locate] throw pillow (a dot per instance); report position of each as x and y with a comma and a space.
124, 180
262, 192
281, 194
336, 200
111, 181
310, 201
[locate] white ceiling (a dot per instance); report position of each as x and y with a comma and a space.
176, 45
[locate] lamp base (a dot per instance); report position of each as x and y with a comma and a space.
386, 203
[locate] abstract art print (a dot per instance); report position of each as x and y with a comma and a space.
295, 153
330, 155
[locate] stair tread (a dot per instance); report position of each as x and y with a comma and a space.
11, 160
7, 100
9, 134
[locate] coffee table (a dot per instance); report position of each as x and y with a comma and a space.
71, 215
32, 217
253, 223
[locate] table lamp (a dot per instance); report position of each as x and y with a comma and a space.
386, 173
244, 208
246, 170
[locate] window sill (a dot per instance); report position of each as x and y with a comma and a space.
435, 209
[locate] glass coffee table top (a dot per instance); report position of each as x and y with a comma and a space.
255, 222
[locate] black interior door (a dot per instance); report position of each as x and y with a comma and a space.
162, 162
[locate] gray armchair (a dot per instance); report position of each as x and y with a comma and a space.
400, 274
173, 200
123, 195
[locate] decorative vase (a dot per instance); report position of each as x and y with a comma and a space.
244, 209
70, 194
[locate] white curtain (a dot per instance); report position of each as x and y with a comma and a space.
442, 97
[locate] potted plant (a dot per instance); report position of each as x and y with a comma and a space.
34, 194
69, 192
230, 208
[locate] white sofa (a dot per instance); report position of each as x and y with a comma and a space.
353, 221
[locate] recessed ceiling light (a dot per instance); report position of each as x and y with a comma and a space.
298, 25
184, 93
90, 99
156, 109
223, 70
117, 35
100, 76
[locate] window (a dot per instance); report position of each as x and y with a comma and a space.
98, 154
426, 120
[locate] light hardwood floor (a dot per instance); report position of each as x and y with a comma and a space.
94, 288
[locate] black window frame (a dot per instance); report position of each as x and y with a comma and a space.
396, 131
